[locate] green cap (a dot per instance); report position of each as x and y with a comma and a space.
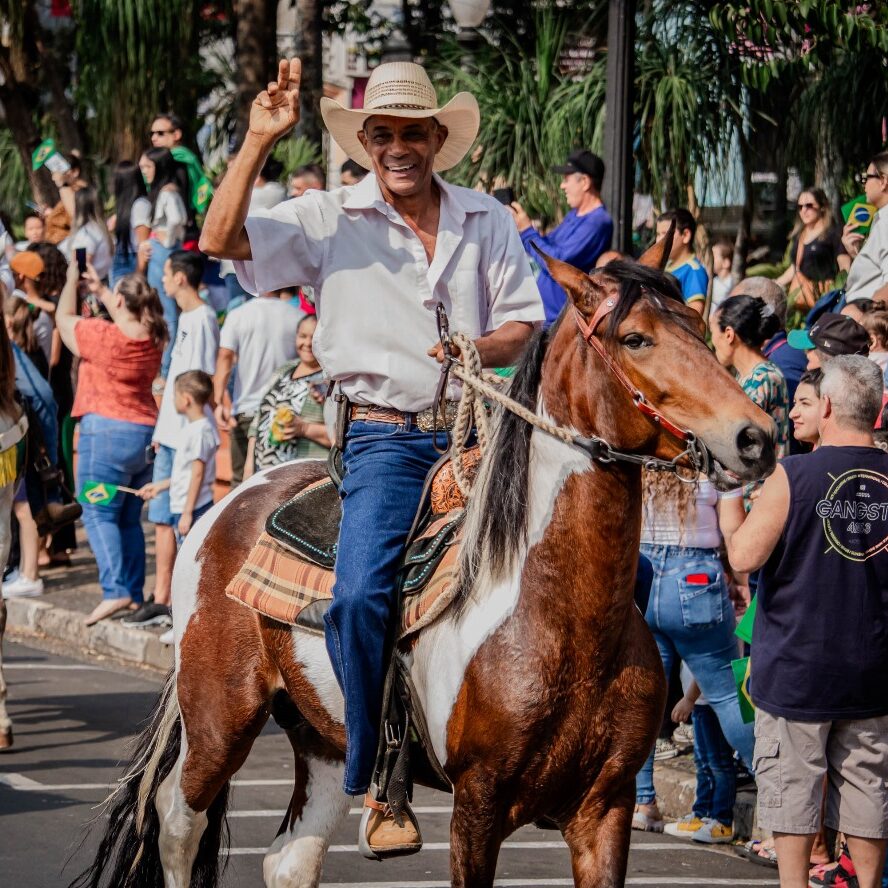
801, 340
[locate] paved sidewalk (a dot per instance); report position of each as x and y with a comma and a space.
72, 592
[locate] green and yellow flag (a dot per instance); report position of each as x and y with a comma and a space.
97, 493
747, 621
741, 677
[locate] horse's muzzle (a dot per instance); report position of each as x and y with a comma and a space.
756, 449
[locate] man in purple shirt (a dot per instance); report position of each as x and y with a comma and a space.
584, 234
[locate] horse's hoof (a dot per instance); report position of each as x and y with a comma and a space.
5, 740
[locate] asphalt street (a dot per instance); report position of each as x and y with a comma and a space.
72, 723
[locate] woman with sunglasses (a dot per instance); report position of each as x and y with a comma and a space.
868, 278
816, 254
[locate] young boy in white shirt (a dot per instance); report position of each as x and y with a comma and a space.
195, 348
191, 482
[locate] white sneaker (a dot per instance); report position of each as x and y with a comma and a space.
714, 833
12, 576
167, 638
22, 587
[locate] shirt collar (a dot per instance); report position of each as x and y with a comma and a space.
366, 195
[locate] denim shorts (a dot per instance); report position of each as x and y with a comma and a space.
198, 512
159, 508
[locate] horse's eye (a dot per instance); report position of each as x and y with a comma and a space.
634, 341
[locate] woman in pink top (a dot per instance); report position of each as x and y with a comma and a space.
119, 358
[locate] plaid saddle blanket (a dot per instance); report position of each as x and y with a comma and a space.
277, 582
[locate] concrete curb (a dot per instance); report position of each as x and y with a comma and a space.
108, 637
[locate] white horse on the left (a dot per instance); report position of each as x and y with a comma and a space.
13, 426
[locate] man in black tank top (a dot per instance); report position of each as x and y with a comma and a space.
819, 662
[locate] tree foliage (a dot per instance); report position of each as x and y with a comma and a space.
533, 112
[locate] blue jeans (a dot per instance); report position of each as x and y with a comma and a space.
716, 775
694, 622
159, 507
121, 265
159, 256
385, 468
114, 451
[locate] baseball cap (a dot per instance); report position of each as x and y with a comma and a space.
833, 334
584, 162
28, 264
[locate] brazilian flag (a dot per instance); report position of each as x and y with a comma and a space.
741, 677
97, 493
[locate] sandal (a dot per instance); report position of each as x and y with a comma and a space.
644, 822
755, 852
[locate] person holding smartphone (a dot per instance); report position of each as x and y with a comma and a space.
584, 234
119, 359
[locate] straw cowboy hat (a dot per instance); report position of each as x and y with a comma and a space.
403, 89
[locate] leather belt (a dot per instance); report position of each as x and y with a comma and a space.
424, 420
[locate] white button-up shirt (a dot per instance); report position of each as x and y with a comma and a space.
376, 292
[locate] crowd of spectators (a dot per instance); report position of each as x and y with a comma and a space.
113, 330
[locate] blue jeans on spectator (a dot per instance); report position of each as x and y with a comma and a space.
695, 623
159, 256
114, 451
716, 775
121, 265
385, 468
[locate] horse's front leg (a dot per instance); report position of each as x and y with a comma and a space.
476, 832
598, 837
5, 721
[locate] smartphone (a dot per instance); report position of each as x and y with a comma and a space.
80, 253
505, 195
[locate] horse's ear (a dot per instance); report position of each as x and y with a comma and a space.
576, 283
657, 255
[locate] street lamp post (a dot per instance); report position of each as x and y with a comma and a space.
620, 122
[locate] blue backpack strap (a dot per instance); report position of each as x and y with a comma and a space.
833, 301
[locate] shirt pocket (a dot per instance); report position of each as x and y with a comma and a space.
701, 594
469, 311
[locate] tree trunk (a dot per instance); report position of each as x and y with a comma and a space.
18, 101
744, 229
255, 51
309, 48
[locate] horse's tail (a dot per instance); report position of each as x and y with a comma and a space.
128, 855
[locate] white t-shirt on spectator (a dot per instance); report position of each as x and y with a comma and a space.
97, 244
197, 342
170, 217
262, 333
140, 214
198, 440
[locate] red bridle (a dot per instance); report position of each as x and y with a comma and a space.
587, 331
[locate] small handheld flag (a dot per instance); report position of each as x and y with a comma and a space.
741, 677
747, 621
98, 493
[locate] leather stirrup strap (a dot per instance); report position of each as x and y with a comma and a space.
370, 802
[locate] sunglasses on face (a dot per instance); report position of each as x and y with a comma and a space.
161, 132
808, 206
865, 177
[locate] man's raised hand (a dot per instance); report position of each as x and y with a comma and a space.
275, 111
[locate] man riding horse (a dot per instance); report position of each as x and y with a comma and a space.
380, 255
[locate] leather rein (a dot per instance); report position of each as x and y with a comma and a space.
598, 449
695, 451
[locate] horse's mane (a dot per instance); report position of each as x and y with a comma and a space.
496, 525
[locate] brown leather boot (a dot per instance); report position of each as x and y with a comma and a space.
380, 836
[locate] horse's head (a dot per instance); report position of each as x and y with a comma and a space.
657, 342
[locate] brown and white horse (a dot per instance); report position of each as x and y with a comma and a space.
542, 688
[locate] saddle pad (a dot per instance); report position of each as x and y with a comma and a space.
276, 582
308, 524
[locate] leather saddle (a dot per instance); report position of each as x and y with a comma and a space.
308, 525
